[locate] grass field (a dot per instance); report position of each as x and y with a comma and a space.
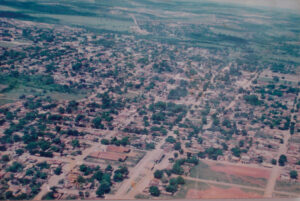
255, 35
197, 190
286, 186
14, 94
230, 174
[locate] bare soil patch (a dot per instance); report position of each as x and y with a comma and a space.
242, 171
216, 192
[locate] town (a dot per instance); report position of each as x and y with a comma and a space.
112, 116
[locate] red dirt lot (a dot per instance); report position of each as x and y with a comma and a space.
217, 193
242, 171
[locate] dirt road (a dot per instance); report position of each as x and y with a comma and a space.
277, 169
53, 180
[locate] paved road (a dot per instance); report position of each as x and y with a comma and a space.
139, 169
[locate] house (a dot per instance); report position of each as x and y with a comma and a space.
113, 148
154, 182
245, 159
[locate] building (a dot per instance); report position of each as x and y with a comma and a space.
113, 148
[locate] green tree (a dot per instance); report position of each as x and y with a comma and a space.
103, 188
80, 179
158, 174
75, 143
5, 158
171, 188
180, 180
154, 191
118, 177
97, 123
177, 169
293, 174
177, 146
282, 160
58, 171
109, 168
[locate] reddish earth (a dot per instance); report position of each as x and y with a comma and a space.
241, 170
217, 193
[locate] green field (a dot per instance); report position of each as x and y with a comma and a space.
203, 171
286, 186
256, 35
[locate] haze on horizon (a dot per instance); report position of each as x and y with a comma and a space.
285, 4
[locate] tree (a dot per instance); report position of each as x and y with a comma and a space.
180, 180
118, 177
177, 169
154, 191
236, 151
109, 168
103, 188
5, 158
80, 179
293, 174
123, 170
150, 145
273, 161
106, 177
158, 174
98, 175
58, 171
125, 141
282, 160
19, 152
170, 139
171, 188
177, 146
15, 167
105, 141
9, 195
100, 191
75, 143
97, 123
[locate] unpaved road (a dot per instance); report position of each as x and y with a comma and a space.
277, 169
52, 181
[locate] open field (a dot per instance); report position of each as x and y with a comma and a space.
203, 190
219, 192
230, 173
15, 94
288, 186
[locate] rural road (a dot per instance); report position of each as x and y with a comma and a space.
66, 169
277, 169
